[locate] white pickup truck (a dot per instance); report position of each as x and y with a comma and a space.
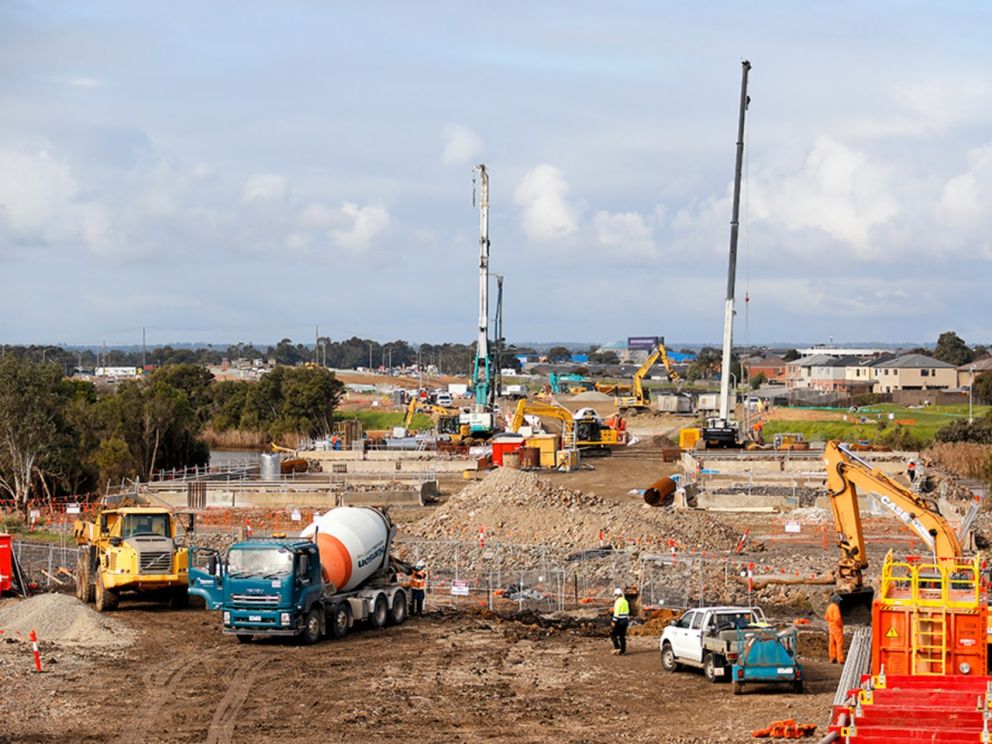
706, 637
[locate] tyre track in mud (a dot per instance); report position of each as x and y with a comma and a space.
160, 683
225, 717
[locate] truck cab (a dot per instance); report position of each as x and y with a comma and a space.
706, 638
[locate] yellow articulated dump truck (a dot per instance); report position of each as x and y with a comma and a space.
131, 549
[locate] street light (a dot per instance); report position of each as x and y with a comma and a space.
971, 396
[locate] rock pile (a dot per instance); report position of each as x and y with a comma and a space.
63, 620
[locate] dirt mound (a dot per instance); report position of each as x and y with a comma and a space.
62, 619
593, 396
517, 506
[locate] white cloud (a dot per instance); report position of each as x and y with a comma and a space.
82, 82
624, 232
348, 226
839, 190
542, 195
964, 200
265, 186
462, 145
363, 225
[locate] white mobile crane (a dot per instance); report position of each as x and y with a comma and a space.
724, 431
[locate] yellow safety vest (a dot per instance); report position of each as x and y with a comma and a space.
621, 610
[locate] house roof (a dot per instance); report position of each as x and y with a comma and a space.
981, 365
915, 361
816, 360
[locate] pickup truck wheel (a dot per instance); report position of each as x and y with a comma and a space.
712, 663
311, 627
738, 687
380, 612
397, 614
797, 687
668, 662
341, 620
244, 637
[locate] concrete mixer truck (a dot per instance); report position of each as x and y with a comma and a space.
337, 573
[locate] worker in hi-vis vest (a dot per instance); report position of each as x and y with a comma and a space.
835, 624
418, 587
621, 616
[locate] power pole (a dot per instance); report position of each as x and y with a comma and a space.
143, 360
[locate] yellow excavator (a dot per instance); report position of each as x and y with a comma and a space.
586, 431
638, 399
446, 420
847, 474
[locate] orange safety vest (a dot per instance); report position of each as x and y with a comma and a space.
418, 580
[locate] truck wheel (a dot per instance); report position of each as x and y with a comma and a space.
311, 628
668, 662
82, 577
712, 662
179, 598
341, 620
244, 637
380, 612
398, 612
797, 687
106, 599
738, 687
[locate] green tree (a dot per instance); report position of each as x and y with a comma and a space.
559, 354
952, 349
758, 380
36, 440
791, 355
192, 379
982, 389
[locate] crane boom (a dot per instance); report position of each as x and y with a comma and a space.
728, 310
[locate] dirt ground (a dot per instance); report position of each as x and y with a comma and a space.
442, 678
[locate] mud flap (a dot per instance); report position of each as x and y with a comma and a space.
855, 607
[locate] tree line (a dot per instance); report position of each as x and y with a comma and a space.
62, 436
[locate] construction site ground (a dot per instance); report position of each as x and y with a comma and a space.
445, 677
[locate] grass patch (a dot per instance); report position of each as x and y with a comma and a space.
385, 419
926, 423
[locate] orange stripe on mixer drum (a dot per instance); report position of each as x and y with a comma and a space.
335, 560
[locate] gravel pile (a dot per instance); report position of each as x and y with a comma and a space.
812, 514
514, 506
64, 620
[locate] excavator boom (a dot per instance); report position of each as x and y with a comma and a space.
847, 474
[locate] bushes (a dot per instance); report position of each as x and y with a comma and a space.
978, 432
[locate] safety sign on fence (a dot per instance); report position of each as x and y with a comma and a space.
459, 588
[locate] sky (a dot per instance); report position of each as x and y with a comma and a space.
244, 171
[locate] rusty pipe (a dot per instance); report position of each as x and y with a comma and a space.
660, 493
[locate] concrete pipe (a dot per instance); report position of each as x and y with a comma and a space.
660, 493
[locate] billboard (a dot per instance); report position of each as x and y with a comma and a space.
643, 342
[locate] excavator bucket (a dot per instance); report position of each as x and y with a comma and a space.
855, 607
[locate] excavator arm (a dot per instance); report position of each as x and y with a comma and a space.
536, 408
660, 352
410, 410
846, 475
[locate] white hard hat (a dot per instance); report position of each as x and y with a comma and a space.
618, 592
420, 564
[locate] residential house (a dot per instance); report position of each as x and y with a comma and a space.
771, 366
860, 373
799, 372
978, 366
914, 372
